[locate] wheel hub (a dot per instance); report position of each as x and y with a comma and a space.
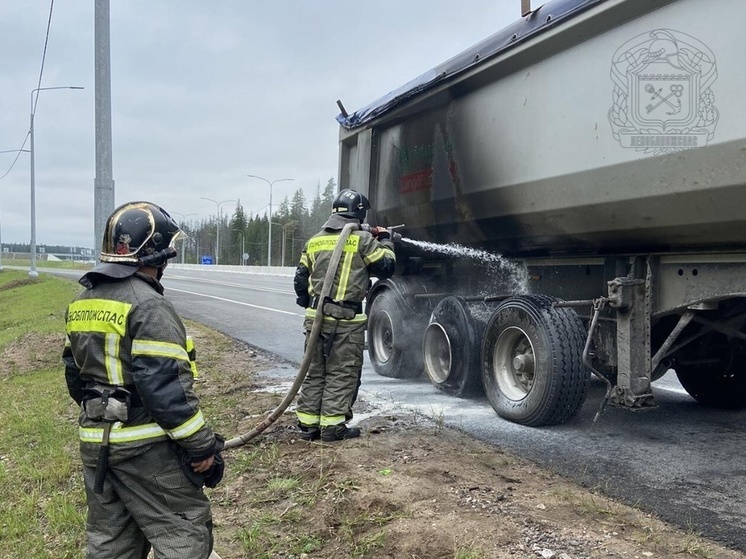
382, 333
437, 353
513, 360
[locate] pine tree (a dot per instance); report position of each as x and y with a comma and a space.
237, 245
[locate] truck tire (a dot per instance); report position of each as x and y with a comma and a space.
394, 341
532, 366
451, 349
713, 371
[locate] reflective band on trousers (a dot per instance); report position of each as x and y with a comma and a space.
323, 420
328, 420
123, 434
307, 418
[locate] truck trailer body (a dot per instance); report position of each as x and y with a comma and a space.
599, 146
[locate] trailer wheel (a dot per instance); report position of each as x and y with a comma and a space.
713, 371
532, 367
394, 341
451, 349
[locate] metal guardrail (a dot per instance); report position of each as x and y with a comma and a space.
282, 271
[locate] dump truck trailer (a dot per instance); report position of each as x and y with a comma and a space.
599, 147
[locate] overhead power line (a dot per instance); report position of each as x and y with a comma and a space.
41, 75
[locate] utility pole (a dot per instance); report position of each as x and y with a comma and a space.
103, 184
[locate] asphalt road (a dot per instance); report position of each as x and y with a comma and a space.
683, 462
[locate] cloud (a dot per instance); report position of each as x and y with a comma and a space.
204, 93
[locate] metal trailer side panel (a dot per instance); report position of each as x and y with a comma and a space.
540, 159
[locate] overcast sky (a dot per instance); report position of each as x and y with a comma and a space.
204, 93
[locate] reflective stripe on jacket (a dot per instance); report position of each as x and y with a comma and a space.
125, 333
363, 255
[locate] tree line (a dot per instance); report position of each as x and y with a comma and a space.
293, 223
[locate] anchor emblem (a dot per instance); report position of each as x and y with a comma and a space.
677, 90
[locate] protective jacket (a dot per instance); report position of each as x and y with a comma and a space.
363, 256
331, 384
122, 332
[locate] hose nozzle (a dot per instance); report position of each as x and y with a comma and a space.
375, 230
395, 237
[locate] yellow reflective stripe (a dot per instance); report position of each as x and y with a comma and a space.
67, 341
326, 420
121, 434
328, 242
377, 254
344, 276
192, 355
188, 428
159, 349
98, 315
304, 260
307, 418
112, 361
360, 317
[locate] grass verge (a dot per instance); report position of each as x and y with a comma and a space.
41, 492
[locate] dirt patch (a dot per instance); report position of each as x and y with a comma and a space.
29, 352
16, 283
407, 488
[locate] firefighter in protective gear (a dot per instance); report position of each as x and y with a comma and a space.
333, 378
146, 448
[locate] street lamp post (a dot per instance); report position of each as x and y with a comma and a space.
32, 272
217, 237
284, 236
269, 242
183, 241
1, 229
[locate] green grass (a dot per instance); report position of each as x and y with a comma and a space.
42, 502
32, 305
41, 264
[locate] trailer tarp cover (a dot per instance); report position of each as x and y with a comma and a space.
545, 17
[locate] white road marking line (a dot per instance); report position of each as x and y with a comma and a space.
228, 284
236, 302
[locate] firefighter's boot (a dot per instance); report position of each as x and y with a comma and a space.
308, 432
339, 432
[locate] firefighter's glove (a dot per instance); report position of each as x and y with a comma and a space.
216, 471
380, 233
303, 301
186, 467
211, 477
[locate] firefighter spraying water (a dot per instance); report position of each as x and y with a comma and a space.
331, 281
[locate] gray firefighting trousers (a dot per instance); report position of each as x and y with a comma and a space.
331, 384
147, 500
